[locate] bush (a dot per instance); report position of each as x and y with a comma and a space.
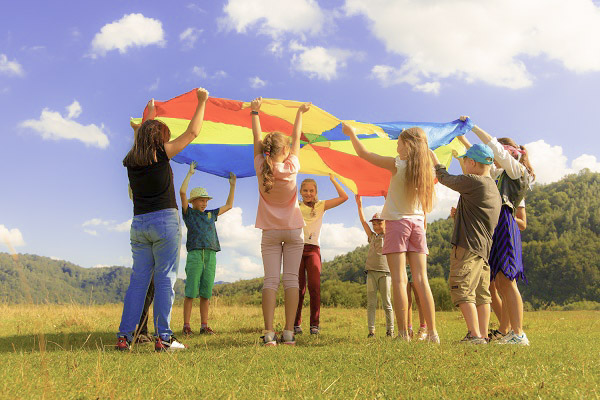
582, 306
441, 294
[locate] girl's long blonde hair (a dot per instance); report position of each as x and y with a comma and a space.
273, 144
419, 170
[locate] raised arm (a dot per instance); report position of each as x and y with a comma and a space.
342, 196
388, 163
184, 187
361, 216
295, 148
229, 205
193, 130
256, 131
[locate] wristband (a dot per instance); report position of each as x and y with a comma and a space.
254, 112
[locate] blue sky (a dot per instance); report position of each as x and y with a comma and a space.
72, 73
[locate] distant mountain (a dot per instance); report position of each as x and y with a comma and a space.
40, 279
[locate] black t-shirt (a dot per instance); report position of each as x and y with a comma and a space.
152, 185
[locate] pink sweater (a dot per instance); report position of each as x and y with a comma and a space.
279, 208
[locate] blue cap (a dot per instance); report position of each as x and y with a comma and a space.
480, 153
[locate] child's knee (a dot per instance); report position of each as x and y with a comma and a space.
290, 281
271, 282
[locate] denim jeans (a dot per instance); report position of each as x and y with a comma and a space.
155, 244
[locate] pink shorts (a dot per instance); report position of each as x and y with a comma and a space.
406, 234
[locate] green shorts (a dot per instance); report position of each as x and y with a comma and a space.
200, 269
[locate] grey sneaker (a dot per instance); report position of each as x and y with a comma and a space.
288, 338
371, 335
495, 334
513, 338
269, 339
389, 333
297, 330
314, 330
468, 339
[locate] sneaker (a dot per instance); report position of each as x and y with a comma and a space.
371, 335
187, 330
297, 330
422, 333
123, 344
432, 338
468, 339
403, 336
288, 338
143, 338
207, 331
314, 330
389, 333
495, 334
269, 339
169, 345
513, 338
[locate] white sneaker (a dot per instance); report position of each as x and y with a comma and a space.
269, 339
169, 345
433, 338
513, 338
422, 333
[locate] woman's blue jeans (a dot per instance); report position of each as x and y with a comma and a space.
155, 244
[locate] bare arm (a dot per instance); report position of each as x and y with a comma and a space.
229, 205
184, 187
388, 163
295, 148
256, 130
361, 216
173, 147
342, 196
521, 218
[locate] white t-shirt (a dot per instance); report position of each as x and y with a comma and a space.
396, 204
313, 218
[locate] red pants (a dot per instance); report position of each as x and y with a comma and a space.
310, 268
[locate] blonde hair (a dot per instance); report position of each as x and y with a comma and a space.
273, 144
419, 170
310, 180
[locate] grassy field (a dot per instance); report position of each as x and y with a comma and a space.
67, 351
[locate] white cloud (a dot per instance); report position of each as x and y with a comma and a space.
95, 222
337, 239
220, 74
91, 232
10, 67
274, 17
244, 240
318, 62
369, 211
201, 72
100, 266
154, 85
108, 225
133, 30
11, 237
189, 37
52, 125
445, 199
196, 8
487, 41
122, 227
256, 83
239, 268
550, 164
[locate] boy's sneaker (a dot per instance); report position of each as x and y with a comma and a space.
513, 338
207, 331
269, 339
422, 333
433, 338
389, 333
288, 338
314, 330
187, 330
168, 345
123, 344
371, 335
495, 334
297, 330
468, 339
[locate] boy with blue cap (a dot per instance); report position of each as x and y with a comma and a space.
475, 219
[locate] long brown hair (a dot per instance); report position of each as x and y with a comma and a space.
419, 170
524, 155
273, 144
150, 137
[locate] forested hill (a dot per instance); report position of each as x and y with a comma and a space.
561, 248
561, 251
39, 279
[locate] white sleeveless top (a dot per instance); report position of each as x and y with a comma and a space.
396, 204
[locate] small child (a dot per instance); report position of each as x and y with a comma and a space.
474, 223
378, 272
202, 246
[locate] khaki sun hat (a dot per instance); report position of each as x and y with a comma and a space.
198, 192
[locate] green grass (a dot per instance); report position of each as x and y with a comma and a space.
67, 351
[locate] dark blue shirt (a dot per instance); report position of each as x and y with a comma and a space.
202, 233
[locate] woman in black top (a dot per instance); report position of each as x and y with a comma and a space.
155, 229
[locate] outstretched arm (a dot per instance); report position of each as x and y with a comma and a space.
342, 196
193, 130
229, 205
295, 148
184, 187
256, 130
361, 216
388, 163
463, 139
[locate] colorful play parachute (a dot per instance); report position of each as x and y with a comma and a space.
225, 142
